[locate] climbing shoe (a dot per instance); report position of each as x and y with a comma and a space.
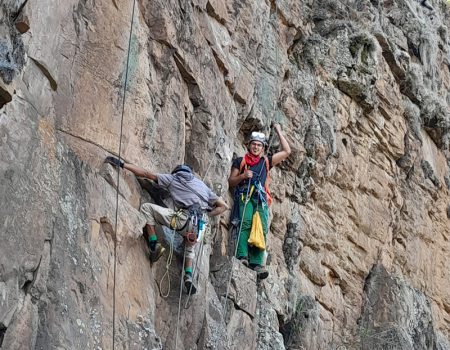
243, 261
261, 272
156, 253
189, 284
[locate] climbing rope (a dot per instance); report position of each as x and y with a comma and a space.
169, 262
166, 273
179, 300
118, 177
174, 224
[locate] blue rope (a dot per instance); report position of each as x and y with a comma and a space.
118, 177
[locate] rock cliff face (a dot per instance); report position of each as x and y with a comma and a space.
358, 250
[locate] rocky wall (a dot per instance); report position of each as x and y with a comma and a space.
359, 239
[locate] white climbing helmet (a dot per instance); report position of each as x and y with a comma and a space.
258, 136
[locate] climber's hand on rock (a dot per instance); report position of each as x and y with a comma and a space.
277, 127
114, 161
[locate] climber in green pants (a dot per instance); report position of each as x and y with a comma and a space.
255, 255
250, 177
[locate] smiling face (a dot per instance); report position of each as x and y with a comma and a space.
256, 148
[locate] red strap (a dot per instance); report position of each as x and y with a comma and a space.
243, 164
268, 169
266, 160
266, 185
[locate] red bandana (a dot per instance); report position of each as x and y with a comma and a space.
251, 159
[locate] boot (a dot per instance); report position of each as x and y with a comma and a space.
243, 260
189, 284
156, 253
261, 272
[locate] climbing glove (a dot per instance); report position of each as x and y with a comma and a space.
114, 161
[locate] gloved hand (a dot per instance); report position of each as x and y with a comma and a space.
114, 161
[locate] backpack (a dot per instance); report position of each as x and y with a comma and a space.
244, 165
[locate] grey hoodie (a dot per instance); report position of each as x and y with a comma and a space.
183, 187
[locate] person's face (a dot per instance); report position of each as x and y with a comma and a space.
256, 148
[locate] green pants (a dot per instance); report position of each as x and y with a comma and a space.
254, 255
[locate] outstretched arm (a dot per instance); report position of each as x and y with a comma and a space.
219, 207
141, 172
278, 157
136, 170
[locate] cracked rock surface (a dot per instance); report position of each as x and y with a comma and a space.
360, 225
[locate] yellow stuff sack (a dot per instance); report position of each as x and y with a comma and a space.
256, 238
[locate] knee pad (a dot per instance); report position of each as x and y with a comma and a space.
190, 238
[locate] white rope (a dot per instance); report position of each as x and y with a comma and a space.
118, 179
166, 273
179, 301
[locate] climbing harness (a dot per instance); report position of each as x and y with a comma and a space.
192, 230
174, 223
118, 177
266, 189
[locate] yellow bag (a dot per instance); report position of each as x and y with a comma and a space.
256, 238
